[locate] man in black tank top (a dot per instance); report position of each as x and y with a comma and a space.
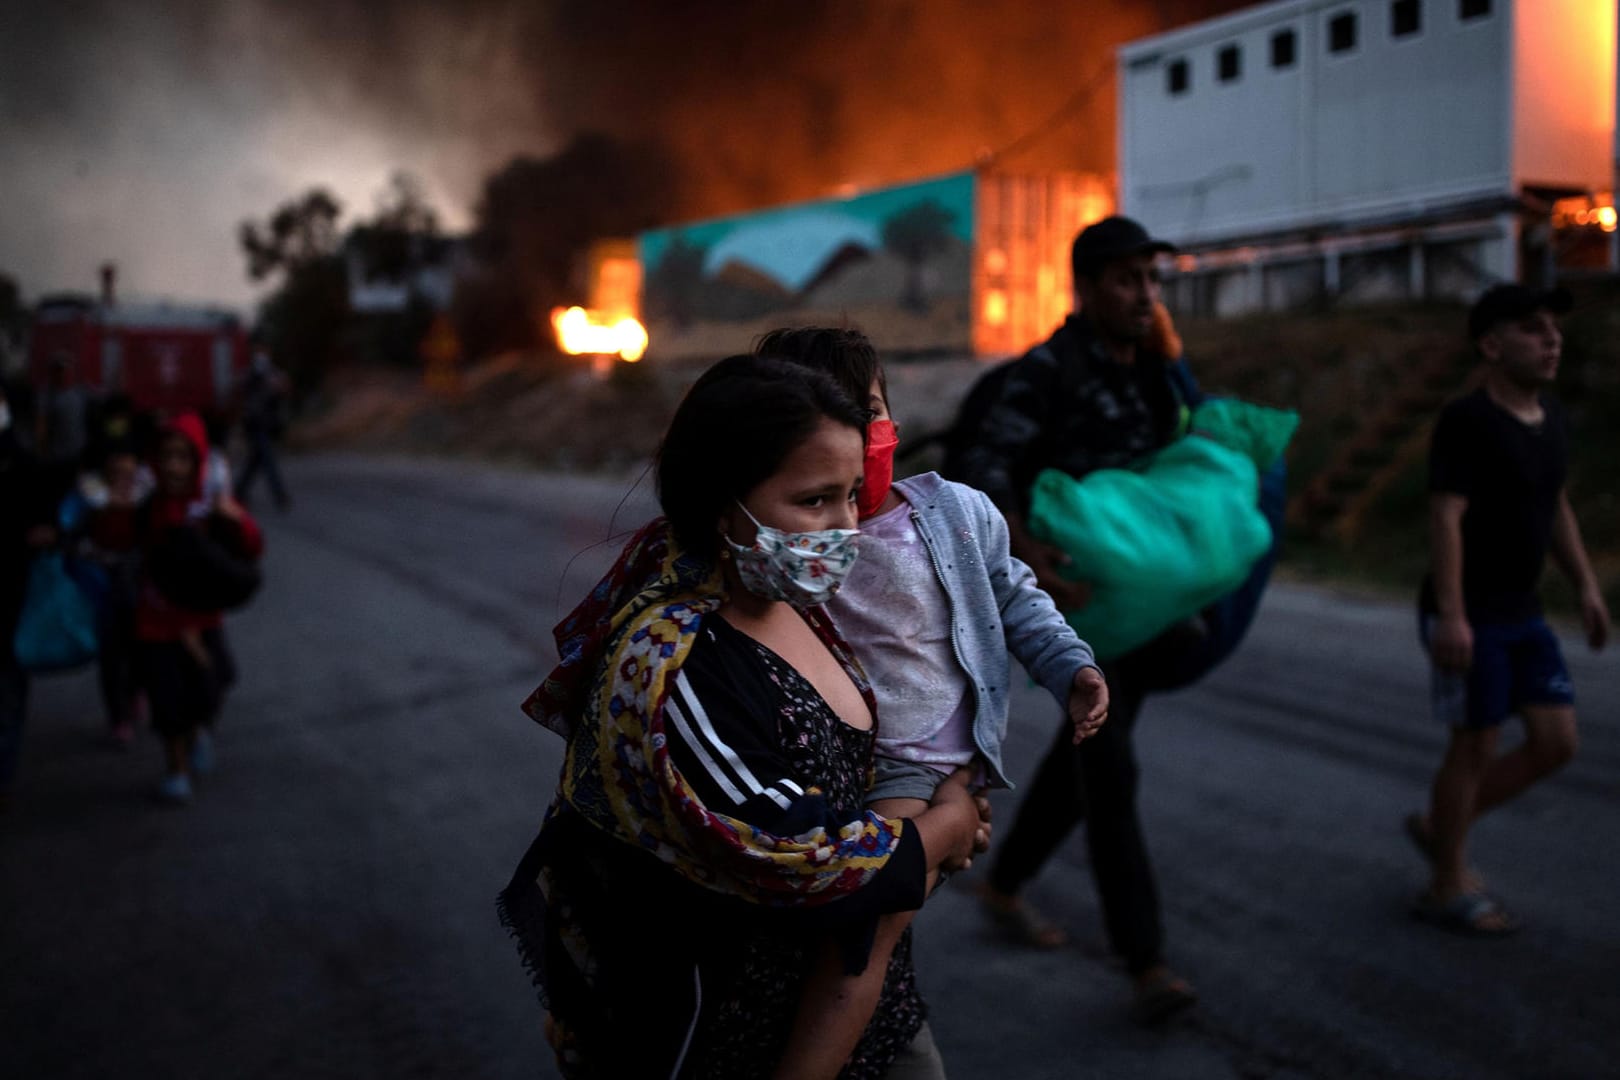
1497, 508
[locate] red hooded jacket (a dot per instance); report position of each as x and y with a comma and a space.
156, 619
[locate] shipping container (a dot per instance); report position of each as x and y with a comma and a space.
971, 263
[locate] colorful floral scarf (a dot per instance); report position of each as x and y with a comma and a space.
619, 652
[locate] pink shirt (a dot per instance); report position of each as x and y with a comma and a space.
895, 615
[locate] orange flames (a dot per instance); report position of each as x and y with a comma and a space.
1591, 211
583, 333
608, 327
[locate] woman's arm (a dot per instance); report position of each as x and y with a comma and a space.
836, 1006
823, 862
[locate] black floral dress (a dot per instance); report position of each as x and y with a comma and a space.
762, 714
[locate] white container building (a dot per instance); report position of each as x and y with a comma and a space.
1360, 150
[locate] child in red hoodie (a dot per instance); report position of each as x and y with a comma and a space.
185, 666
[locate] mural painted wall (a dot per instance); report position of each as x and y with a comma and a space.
898, 263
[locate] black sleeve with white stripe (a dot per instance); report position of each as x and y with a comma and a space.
723, 738
728, 753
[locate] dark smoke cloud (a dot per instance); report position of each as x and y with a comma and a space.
775, 101
145, 132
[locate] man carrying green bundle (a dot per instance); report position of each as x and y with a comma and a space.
1159, 543
1106, 391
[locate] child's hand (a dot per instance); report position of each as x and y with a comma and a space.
1088, 703
225, 506
955, 792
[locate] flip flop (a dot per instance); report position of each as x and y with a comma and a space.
1462, 914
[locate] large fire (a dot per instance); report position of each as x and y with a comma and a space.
582, 333
1586, 210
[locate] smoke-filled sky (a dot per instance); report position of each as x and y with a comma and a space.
143, 133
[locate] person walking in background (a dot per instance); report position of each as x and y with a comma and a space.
1098, 394
63, 420
1497, 506
27, 502
183, 663
101, 522
264, 402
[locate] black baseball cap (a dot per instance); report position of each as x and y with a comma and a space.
1101, 242
1512, 302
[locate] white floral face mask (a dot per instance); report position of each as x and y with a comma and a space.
802, 568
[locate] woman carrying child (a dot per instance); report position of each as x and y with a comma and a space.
709, 842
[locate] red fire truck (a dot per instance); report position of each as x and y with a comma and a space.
165, 358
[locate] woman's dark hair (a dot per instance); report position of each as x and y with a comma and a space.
733, 429
842, 352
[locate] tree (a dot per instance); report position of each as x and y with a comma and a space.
297, 233
535, 221
301, 322
308, 321
402, 238
915, 235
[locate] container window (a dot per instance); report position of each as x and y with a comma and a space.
1177, 78
1229, 63
1405, 18
1473, 9
1282, 49
1342, 32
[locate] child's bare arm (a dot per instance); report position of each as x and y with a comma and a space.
835, 1007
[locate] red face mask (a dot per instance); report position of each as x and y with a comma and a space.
881, 440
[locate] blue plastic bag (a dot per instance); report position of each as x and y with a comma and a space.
57, 627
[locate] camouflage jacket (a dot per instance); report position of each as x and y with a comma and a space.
1066, 404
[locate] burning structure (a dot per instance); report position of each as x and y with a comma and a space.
607, 327
1299, 151
1307, 150
971, 262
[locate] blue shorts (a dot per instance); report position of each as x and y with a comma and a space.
1515, 664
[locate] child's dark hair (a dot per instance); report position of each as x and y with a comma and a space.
733, 429
844, 353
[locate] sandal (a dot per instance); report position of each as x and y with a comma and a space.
1160, 997
1019, 921
1466, 913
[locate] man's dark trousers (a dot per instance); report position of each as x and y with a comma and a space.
1095, 782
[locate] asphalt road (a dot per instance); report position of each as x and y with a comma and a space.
326, 906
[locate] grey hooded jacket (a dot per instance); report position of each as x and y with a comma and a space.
997, 610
